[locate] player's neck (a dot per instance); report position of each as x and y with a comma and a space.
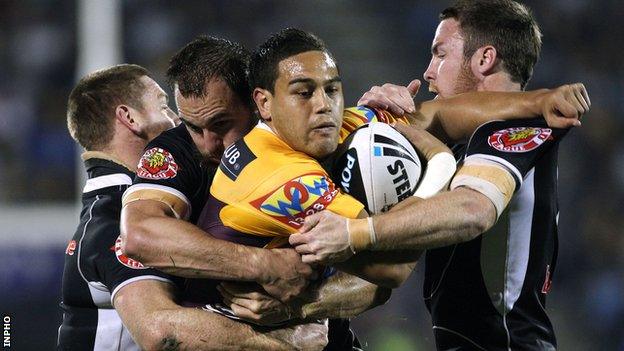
127, 149
498, 82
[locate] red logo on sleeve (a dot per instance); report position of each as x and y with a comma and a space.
123, 259
547, 281
521, 139
71, 248
157, 163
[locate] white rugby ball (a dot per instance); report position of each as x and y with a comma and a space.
378, 166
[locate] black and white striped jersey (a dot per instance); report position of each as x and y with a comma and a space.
489, 293
95, 269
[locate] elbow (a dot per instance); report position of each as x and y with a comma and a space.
134, 238
131, 242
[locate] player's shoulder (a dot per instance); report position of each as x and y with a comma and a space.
260, 154
364, 114
175, 141
175, 136
167, 153
237, 158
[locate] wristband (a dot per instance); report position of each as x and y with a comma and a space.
440, 170
361, 234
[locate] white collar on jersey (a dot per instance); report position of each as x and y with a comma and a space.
264, 126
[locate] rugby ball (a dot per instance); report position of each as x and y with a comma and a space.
378, 166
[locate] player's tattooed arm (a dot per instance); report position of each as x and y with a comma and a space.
156, 322
169, 343
340, 296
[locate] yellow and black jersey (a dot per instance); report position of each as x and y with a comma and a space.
265, 188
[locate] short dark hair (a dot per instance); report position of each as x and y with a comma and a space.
263, 68
92, 102
505, 24
208, 57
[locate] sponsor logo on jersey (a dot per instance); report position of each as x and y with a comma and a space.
157, 163
236, 157
71, 248
123, 259
521, 139
297, 198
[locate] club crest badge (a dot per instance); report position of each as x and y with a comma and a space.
523, 139
157, 163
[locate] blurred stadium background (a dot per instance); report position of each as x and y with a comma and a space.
375, 42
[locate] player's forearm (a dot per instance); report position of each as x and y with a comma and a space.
156, 322
445, 219
181, 248
456, 118
192, 329
388, 269
342, 296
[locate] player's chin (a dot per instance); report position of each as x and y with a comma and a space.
322, 147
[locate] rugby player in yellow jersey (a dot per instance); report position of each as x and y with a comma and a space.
270, 180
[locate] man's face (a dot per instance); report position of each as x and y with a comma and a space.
448, 73
307, 103
156, 116
215, 120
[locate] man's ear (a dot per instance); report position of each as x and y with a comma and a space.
485, 61
263, 99
125, 115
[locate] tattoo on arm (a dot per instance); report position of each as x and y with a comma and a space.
170, 343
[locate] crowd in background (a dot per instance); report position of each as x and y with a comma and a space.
374, 42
